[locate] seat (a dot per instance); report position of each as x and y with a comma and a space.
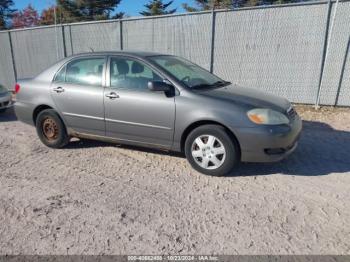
139, 82
122, 67
100, 69
119, 71
137, 68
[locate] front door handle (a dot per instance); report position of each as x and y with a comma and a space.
112, 95
58, 89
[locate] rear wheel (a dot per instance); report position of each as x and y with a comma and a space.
211, 151
51, 129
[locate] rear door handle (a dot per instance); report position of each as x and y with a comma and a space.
112, 95
58, 89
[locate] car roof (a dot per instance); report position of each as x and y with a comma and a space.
128, 53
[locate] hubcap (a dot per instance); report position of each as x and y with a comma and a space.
208, 152
50, 129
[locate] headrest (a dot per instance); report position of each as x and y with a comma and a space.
100, 69
122, 66
137, 68
73, 70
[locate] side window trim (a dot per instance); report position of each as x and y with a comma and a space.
104, 70
126, 57
58, 72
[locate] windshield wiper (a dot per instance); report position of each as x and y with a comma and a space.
222, 83
216, 84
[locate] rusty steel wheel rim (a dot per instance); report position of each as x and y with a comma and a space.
50, 129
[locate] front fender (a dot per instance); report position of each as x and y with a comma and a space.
194, 109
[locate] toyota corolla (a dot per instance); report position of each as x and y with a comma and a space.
5, 99
158, 101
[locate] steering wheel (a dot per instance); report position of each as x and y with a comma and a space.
186, 78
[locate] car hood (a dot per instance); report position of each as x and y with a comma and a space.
248, 97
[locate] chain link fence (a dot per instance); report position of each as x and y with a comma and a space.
279, 49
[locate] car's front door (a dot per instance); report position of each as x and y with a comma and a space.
133, 112
77, 91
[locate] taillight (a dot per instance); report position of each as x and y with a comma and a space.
17, 88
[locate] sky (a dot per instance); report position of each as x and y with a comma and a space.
130, 7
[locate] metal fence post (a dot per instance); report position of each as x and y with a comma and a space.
71, 40
12, 57
324, 52
212, 44
342, 72
121, 33
64, 41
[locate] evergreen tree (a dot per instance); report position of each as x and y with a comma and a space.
203, 5
157, 7
6, 12
119, 15
86, 10
66, 16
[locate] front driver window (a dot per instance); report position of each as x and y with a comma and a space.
85, 71
131, 74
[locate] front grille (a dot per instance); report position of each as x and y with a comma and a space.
291, 113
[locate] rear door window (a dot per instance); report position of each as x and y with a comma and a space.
61, 75
83, 71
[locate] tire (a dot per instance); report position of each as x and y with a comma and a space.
51, 130
220, 154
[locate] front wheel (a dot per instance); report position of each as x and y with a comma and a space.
211, 151
51, 129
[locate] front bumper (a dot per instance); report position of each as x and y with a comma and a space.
269, 143
5, 101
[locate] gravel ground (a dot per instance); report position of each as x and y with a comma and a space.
99, 198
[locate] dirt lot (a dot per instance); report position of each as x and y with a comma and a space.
98, 198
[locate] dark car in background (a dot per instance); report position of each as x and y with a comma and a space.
158, 101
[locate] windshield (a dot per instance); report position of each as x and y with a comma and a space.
188, 73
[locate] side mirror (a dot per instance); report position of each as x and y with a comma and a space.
159, 86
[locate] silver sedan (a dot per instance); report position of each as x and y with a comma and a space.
159, 101
5, 99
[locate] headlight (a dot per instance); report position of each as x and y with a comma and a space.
264, 116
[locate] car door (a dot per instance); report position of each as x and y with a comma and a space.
133, 112
77, 91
